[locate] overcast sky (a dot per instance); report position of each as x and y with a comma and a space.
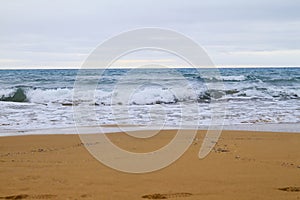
61, 34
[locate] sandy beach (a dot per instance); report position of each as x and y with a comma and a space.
141, 100
243, 165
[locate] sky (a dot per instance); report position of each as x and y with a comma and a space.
62, 33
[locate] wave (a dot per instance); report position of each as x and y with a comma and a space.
233, 78
144, 96
282, 80
34, 95
241, 78
16, 96
223, 78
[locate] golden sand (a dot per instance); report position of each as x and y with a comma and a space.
243, 165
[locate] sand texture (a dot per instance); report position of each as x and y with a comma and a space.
243, 165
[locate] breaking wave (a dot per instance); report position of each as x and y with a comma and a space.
146, 96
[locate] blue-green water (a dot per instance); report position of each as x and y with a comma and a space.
42, 98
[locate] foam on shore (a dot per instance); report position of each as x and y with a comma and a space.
289, 128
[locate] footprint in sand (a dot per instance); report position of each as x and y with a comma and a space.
290, 189
25, 196
18, 196
166, 196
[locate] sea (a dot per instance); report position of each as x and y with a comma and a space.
44, 98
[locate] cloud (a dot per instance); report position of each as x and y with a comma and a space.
59, 32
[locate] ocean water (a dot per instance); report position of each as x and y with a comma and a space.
39, 99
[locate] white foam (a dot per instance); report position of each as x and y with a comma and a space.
6, 92
233, 78
59, 95
287, 128
225, 78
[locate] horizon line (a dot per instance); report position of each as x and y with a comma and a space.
179, 67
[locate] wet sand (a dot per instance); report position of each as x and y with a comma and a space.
243, 165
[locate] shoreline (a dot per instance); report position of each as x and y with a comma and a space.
284, 127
